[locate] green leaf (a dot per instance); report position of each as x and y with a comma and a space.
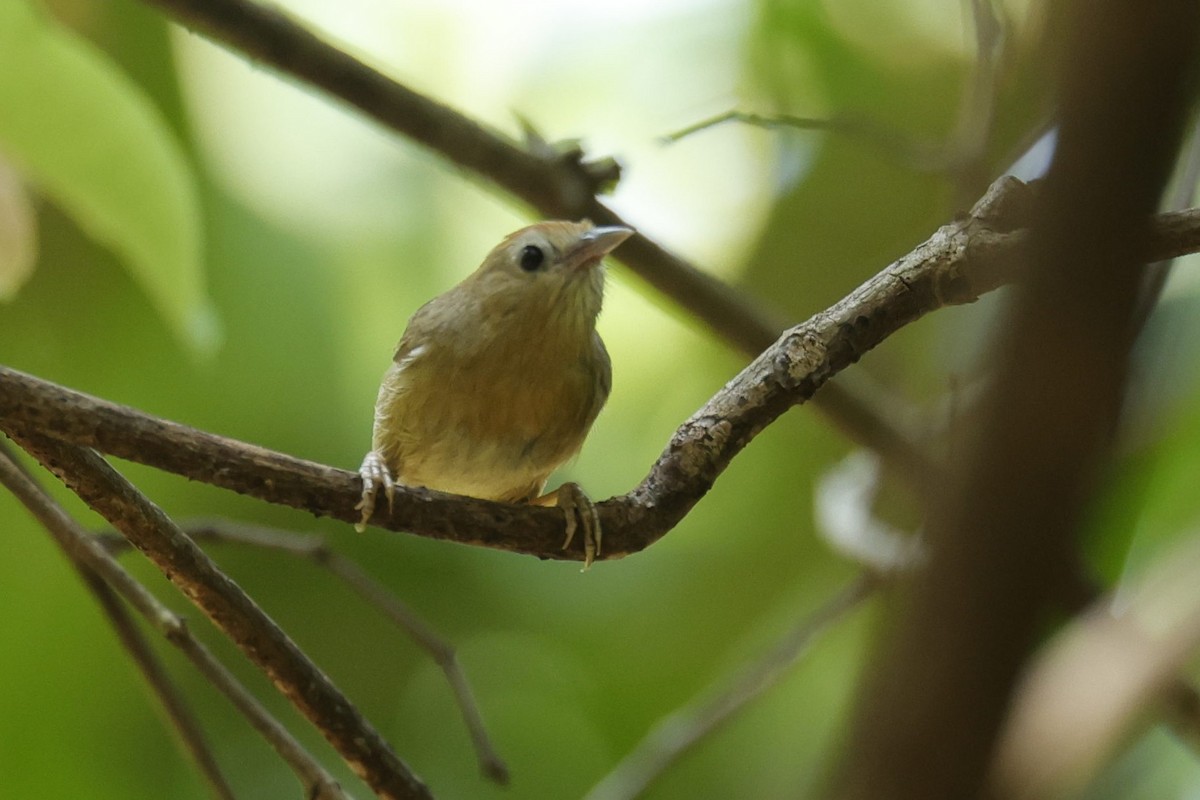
92, 142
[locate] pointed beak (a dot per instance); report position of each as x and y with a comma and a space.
596, 244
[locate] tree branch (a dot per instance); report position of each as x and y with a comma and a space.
86, 552
24, 486
960, 262
232, 611
317, 550
1003, 532
558, 183
179, 715
678, 732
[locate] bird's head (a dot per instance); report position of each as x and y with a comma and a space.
550, 270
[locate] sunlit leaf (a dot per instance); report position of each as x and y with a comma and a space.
93, 143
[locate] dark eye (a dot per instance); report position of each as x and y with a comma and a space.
531, 257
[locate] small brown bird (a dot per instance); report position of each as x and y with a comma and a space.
496, 383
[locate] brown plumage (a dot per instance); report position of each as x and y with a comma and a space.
496, 382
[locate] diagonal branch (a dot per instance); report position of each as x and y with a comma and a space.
317, 550
679, 732
556, 183
25, 487
102, 571
956, 265
232, 611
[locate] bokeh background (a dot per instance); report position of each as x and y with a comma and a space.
314, 234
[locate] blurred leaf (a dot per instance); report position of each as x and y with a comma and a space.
18, 234
93, 143
1148, 501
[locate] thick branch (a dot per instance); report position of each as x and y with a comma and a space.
960, 262
231, 610
1003, 534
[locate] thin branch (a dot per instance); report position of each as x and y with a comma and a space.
674, 735
315, 549
231, 610
558, 183
1182, 196
956, 265
923, 156
962, 157
88, 554
846, 125
182, 721
972, 135
440, 650
179, 716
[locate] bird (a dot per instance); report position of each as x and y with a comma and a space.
496, 382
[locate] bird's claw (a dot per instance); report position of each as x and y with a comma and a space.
374, 473
581, 514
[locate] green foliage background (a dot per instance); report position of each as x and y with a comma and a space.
311, 277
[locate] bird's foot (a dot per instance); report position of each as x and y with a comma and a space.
375, 474
581, 515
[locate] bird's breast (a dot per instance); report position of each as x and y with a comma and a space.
491, 424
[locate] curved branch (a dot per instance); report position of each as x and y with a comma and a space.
958, 264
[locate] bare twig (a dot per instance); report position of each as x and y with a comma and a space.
440, 650
315, 549
918, 155
957, 264
86, 552
182, 721
232, 611
971, 139
963, 157
1183, 195
675, 734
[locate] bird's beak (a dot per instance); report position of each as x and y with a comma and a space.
596, 244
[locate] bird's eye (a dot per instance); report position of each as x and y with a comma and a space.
531, 257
